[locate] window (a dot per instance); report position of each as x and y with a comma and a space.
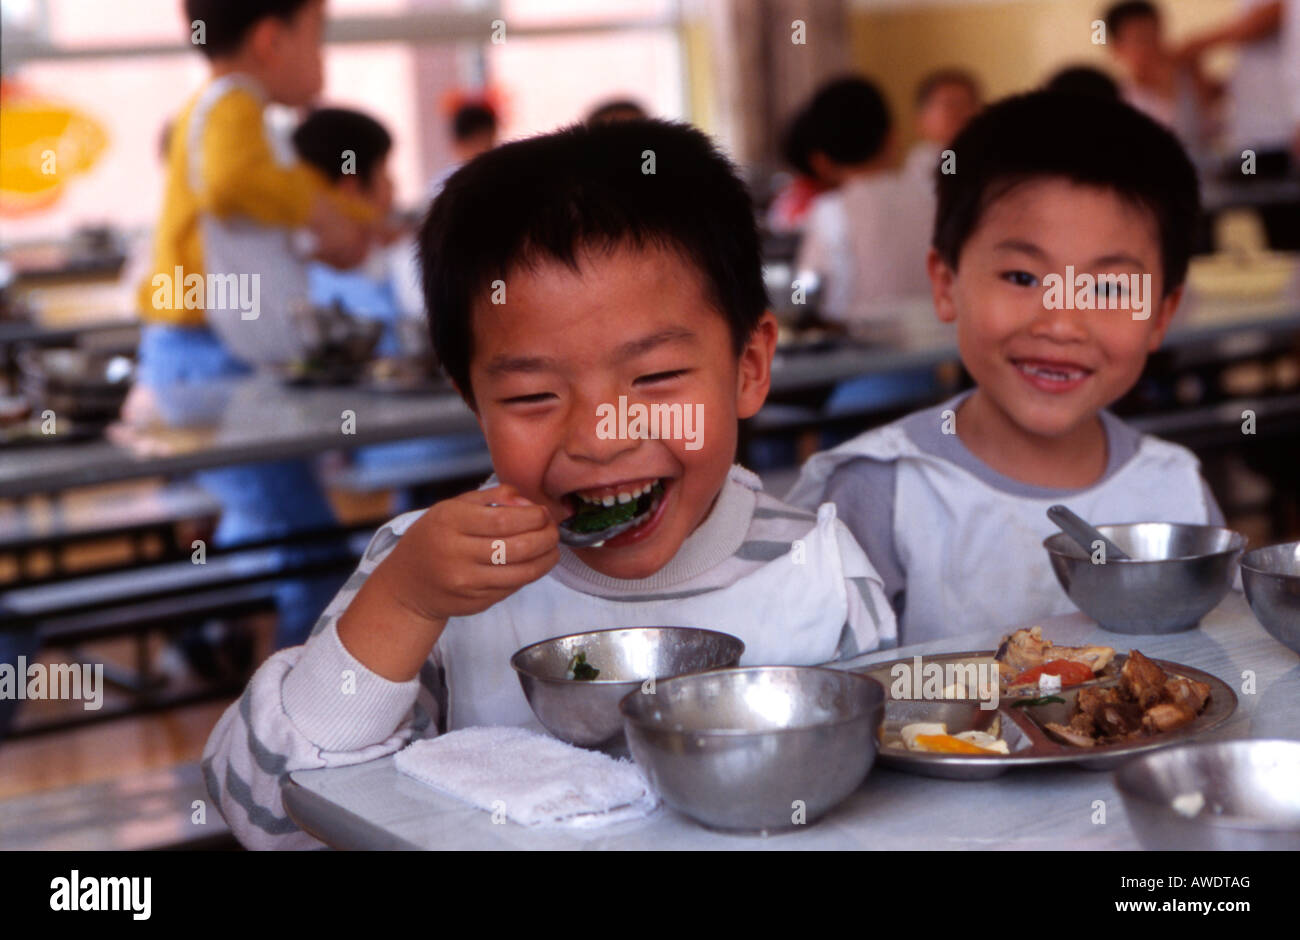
560, 58
549, 81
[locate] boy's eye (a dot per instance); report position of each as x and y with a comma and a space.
1020, 278
1107, 289
528, 399
662, 376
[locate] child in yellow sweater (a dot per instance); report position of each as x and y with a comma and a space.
222, 164
224, 167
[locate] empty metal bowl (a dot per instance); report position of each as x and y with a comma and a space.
1229, 795
1271, 577
585, 711
764, 748
1176, 574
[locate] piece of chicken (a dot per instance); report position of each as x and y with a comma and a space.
1023, 650
1112, 716
1166, 716
1142, 680
1026, 649
1187, 692
1077, 733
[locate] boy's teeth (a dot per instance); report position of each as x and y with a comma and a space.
609, 499
1057, 375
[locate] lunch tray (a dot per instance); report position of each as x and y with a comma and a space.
1022, 727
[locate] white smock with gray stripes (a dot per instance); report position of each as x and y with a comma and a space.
792, 584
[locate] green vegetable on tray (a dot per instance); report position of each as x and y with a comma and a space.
1044, 700
580, 669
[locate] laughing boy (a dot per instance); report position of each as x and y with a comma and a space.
564, 273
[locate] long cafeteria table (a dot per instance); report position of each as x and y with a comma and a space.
372, 806
260, 418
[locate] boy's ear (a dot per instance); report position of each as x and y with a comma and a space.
263, 38
754, 377
942, 279
1163, 317
825, 169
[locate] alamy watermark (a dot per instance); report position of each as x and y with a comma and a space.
945, 681
55, 681
657, 421
1086, 291
181, 291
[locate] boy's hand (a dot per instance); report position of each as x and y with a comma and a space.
466, 554
341, 241
461, 557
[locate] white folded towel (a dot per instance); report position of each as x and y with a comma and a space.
534, 779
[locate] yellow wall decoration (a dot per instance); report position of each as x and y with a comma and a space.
43, 146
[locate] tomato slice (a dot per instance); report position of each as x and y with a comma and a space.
1071, 673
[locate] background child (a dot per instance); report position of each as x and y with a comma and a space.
945, 101
864, 241
367, 291
619, 285
372, 290
950, 502
473, 131
226, 181
1171, 91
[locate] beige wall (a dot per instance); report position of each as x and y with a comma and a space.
1010, 46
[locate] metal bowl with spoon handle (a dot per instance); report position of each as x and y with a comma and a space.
1077, 528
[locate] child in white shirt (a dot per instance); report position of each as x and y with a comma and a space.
950, 503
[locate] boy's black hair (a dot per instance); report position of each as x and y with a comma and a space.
847, 120
937, 79
1117, 14
616, 109
227, 23
546, 198
470, 120
796, 143
326, 133
1083, 80
1090, 141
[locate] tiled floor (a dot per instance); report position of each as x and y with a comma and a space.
164, 808
125, 783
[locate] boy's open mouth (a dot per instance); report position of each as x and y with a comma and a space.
601, 509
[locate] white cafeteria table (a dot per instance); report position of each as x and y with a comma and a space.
372, 806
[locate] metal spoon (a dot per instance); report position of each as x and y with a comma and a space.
1083, 532
596, 539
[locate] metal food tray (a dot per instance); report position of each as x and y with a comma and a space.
1022, 727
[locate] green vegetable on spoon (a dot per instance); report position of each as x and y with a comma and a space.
591, 525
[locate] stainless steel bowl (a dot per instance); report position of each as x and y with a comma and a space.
1176, 574
763, 748
1233, 794
585, 711
1272, 580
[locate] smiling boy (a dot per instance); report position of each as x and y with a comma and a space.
950, 502
564, 274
